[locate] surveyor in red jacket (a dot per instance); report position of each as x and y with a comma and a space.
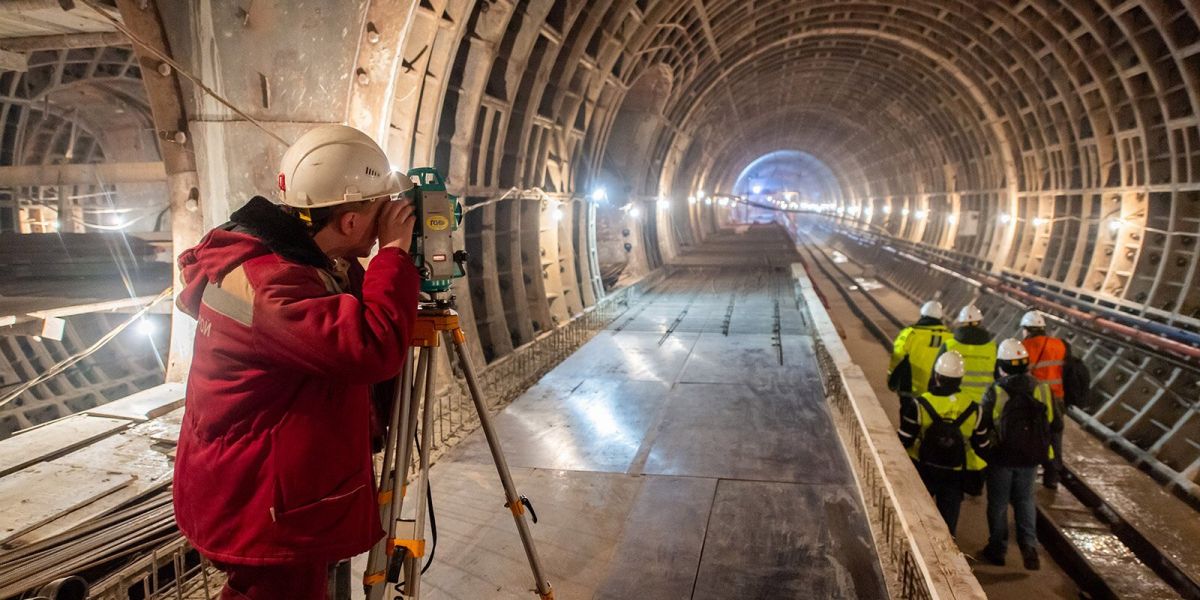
273, 474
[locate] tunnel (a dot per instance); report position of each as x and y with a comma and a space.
635, 177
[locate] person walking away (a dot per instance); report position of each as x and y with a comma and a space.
1013, 436
273, 476
1047, 360
978, 350
937, 428
913, 353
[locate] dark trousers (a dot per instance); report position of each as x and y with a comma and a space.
302, 581
1011, 485
946, 487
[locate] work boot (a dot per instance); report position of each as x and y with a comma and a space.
1030, 556
993, 555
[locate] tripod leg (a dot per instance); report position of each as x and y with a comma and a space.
373, 579
394, 475
412, 581
515, 502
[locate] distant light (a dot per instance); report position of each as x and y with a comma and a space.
1005, 218
557, 214
904, 212
887, 209
952, 219
723, 201
708, 201
1115, 225
663, 203
770, 198
1038, 221
635, 212
599, 195
757, 189
691, 199
867, 212
700, 194
147, 327
920, 214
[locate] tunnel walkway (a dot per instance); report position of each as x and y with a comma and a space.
685, 452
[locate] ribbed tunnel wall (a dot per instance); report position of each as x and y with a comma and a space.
1055, 139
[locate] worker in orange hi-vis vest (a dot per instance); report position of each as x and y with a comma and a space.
1047, 355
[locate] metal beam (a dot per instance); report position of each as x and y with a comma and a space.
64, 41
83, 174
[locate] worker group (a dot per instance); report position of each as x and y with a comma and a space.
978, 414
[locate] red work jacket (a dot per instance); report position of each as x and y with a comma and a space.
1046, 358
274, 460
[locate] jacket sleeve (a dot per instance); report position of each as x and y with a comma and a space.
299, 323
983, 437
910, 422
899, 349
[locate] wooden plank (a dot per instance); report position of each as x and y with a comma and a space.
39, 494
144, 405
54, 439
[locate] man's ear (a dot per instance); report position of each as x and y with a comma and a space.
349, 222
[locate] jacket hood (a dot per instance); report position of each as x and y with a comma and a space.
971, 334
1018, 384
928, 322
256, 229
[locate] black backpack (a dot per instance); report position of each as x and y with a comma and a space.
1077, 382
942, 444
1023, 432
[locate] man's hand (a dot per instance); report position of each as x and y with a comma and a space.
396, 221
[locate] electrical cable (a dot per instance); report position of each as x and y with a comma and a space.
71, 360
399, 587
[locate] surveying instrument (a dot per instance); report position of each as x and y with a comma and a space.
394, 565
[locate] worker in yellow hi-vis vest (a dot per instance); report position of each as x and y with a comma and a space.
978, 350
914, 352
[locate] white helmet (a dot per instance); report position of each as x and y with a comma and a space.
336, 164
933, 309
970, 314
951, 365
1033, 318
1012, 350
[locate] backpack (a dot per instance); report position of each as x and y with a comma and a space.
1077, 382
942, 444
1023, 432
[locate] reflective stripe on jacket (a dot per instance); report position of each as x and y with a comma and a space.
979, 361
948, 408
920, 344
1047, 355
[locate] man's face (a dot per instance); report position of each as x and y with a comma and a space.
365, 231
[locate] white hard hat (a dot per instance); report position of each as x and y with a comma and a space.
933, 308
336, 164
970, 314
1012, 349
950, 364
1033, 318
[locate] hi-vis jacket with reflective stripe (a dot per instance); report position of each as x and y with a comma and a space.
913, 353
993, 406
1047, 355
274, 458
979, 357
915, 419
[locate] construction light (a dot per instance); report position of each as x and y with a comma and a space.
757, 189
723, 201
599, 195
663, 203
1038, 221
952, 219
557, 214
635, 212
700, 194
1005, 218
921, 214
1115, 225
691, 199
708, 201
904, 212
887, 209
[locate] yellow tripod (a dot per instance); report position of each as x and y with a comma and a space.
397, 557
